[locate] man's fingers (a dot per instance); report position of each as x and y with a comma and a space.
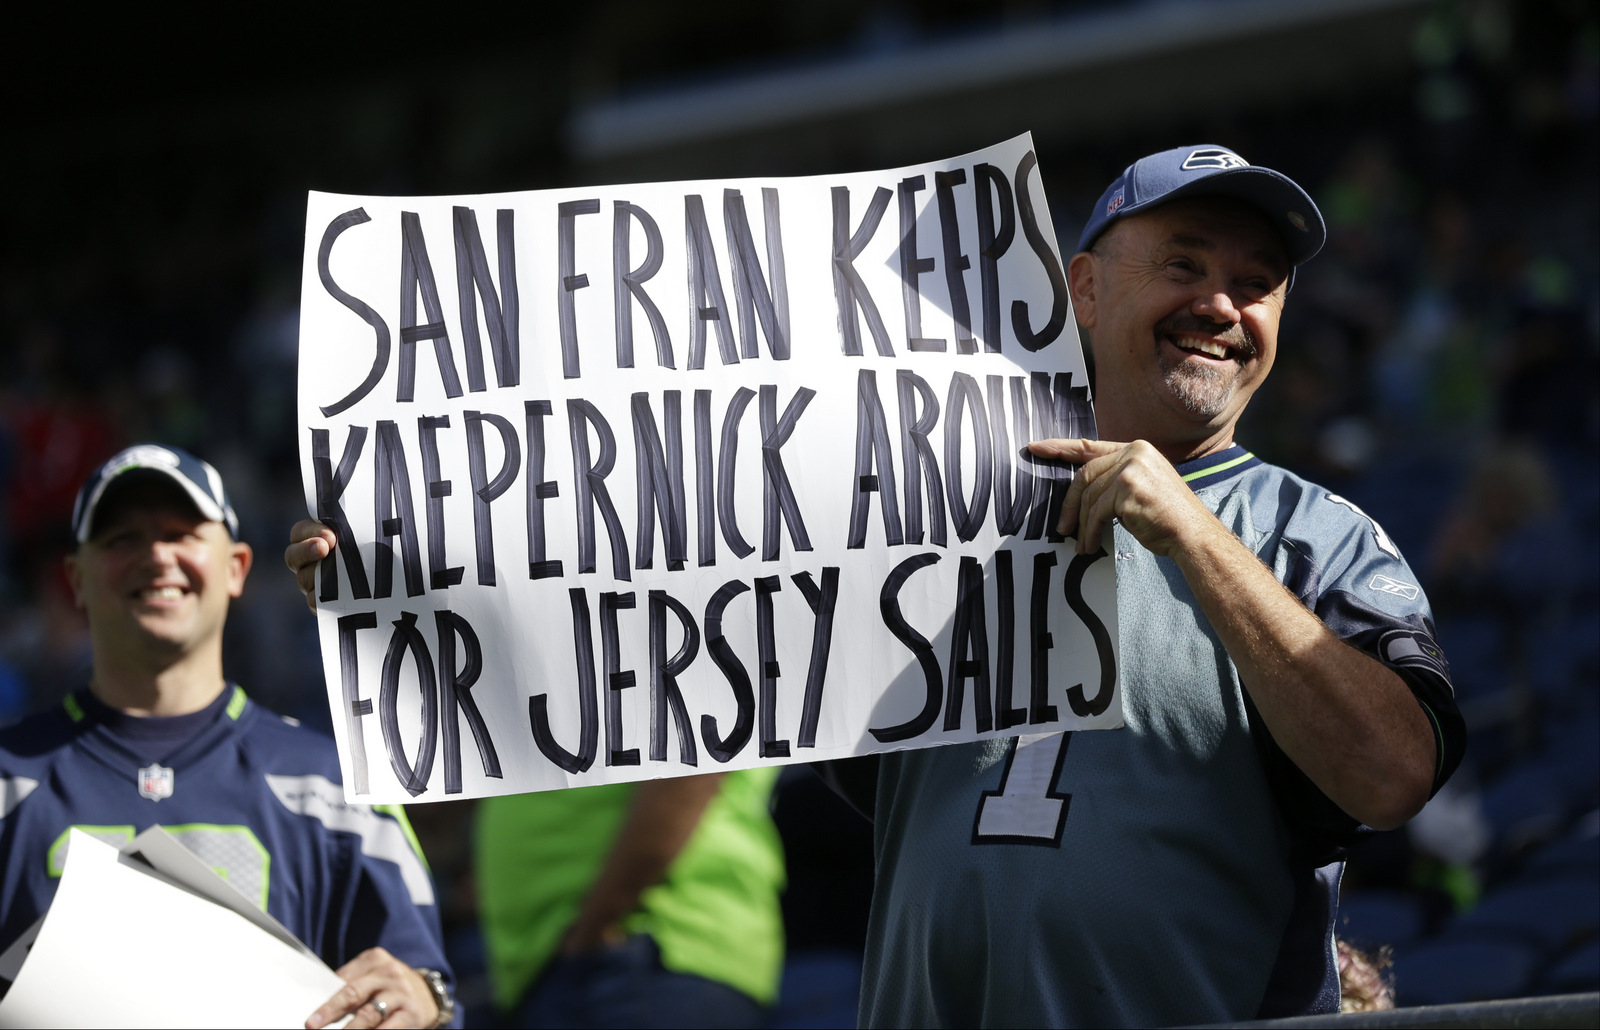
363, 1019
1098, 511
344, 1000
367, 962
380, 991
1091, 471
1090, 480
1092, 455
1100, 477
309, 542
305, 554
305, 529
302, 558
1074, 450
1068, 520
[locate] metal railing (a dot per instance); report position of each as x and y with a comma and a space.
1563, 1010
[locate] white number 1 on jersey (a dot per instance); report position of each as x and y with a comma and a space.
1027, 809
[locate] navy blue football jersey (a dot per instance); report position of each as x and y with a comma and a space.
254, 795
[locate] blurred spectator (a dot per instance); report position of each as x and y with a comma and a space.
1510, 500
653, 904
1364, 983
59, 435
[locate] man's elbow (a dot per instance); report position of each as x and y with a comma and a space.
1391, 803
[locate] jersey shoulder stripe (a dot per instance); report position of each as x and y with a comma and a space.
382, 836
14, 790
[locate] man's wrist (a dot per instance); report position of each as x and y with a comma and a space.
585, 936
441, 994
1205, 546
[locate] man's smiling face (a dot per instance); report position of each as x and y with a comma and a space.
1182, 304
155, 577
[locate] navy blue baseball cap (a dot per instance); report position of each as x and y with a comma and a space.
198, 480
1212, 171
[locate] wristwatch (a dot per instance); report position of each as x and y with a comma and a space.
441, 995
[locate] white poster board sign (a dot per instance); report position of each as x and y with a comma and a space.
159, 943
648, 480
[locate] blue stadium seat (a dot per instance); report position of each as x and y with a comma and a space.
1527, 804
1475, 647
1441, 972
1372, 918
1408, 497
821, 988
1577, 854
1572, 750
1557, 651
1550, 915
1578, 971
1586, 626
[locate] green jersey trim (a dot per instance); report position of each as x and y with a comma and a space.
1190, 477
398, 814
56, 858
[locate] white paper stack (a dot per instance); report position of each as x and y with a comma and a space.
149, 936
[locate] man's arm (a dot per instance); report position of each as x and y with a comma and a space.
1350, 723
660, 820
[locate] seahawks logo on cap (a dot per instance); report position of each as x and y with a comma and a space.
140, 456
1213, 157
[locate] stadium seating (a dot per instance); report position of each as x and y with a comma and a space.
1443, 972
1548, 915
1373, 918
1578, 971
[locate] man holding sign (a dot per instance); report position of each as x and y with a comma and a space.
595, 528
160, 737
1282, 685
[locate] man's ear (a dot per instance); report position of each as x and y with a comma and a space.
74, 578
1082, 271
240, 558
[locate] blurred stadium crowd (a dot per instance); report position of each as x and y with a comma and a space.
1440, 367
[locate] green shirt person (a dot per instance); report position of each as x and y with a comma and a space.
654, 904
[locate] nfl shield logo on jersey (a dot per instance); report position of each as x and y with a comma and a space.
155, 782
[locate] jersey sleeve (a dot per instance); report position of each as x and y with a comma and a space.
386, 896
1345, 568
394, 906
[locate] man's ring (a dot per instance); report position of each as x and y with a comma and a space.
382, 1007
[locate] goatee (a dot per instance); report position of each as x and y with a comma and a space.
1202, 390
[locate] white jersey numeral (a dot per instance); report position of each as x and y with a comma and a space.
1027, 809
1378, 535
